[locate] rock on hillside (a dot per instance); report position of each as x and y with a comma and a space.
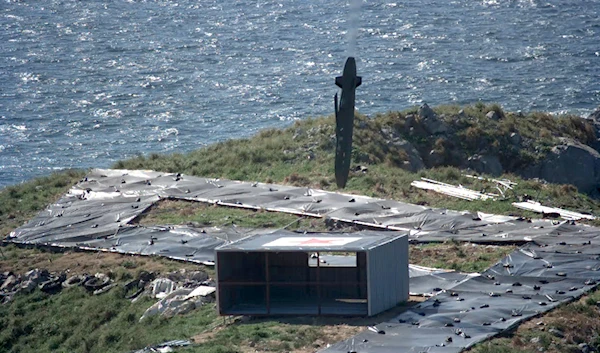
479, 137
569, 163
595, 116
413, 161
485, 164
484, 139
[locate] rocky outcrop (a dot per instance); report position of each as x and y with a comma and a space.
412, 127
425, 112
488, 141
515, 139
486, 164
569, 163
492, 114
413, 162
595, 115
431, 122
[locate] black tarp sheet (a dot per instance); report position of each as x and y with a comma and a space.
107, 200
526, 283
560, 260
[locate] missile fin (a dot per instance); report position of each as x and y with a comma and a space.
335, 104
358, 80
338, 81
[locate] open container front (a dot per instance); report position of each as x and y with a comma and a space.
292, 283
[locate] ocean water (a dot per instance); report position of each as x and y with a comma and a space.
86, 83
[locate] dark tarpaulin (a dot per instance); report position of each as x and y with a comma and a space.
526, 283
559, 262
107, 200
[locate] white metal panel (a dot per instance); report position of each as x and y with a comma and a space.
539, 208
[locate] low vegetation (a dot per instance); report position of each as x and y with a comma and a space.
463, 257
122, 267
301, 155
197, 214
572, 327
76, 321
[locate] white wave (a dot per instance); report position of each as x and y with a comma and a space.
27, 77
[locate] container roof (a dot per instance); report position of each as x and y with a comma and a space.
283, 240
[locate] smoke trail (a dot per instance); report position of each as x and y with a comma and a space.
353, 26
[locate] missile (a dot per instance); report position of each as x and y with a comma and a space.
344, 120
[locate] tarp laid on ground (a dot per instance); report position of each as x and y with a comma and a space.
526, 283
428, 282
97, 211
560, 261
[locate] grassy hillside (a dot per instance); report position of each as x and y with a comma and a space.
302, 155
307, 147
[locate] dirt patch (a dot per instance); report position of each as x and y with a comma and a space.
330, 335
198, 214
465, 257
301, 334
21, 260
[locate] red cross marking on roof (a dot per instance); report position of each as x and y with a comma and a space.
314, 241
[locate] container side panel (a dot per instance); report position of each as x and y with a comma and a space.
388, 271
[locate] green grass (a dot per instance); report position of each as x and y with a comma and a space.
203, 215
300, 155
463, 257
76, 321
499, 345
263, 335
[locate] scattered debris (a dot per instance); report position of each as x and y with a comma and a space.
11, 284
502, 185
164, 347
534, 206
180, 292
138, 285
162, 287
51, 283
97, 282
202, 291
74, 281
181, 301
376, 330
556, 332
361, 168
104, 289
452, 190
